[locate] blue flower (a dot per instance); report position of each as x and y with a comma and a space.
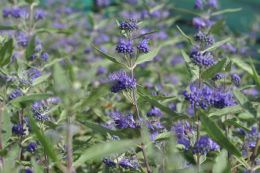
18, 129
7, 12
121, 81
199, 22
108, 162
123, 121
44, 56
14, 94
221, 99
235, 78
33, 73
32, 147
39, 14
212, 3
143, 46
17, 12
127, 163
182, 130
251, 138
218, 76
205, 145
128, 25
125, 46
202, 59
22, 39
154, 112
198, 4
39, 111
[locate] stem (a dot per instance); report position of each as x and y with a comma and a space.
69, 146
197, 139
21, 137
254, 154
1, 145
148, 169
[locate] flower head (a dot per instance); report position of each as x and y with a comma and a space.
108, 162
18, 129
33, 73
39, 14
202, 59
14, 94
39, 111
127, 163
32, 147
143, 46
121, 81
205, 145
235, 78
128, 25
154, 112
125, 46
123, 121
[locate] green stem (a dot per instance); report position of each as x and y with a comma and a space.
1, 136
142, 147
69, 145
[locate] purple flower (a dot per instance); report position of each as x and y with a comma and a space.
199, 96
39, 14
32, 147
125, 46
121, 81
102, 3
28, 170
212, 3
128, 25
218, 76
251, 137
33, 73
18, 129
14, 94
229, 48
108, 162
154, 112
17, 12
205, 145
22, 39
128, 163
39, 111
182, 131
7, 12
101, 70
202, 59
199, 22
235, 78
221, 99
143, 46
198, 4
44, 56
122, 121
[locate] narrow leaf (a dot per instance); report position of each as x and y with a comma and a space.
30, 48
210, 72
216, 134
229, 10
216, 45
6, 52
185, 35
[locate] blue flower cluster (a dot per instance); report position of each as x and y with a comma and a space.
251, 138
33, 73
15, 12
218, 76
128, 25
123, 121
201, 59
155, 127
205, 145
121, 81
125, 46
207, 40
32, 147
39, 110
143, 46
235, 78
154, 112
15, 93
201, 4
182, 130
129, 163
18, 129
204, 97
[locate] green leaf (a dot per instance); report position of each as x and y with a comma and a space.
48, 148
30, 98
52, 63
163, 136
216, 134
216, 45
30, 48
6, 53
148, 56
100, 129
245, 103
101, 150
236, 124
217, 27
241, 64
107, 56
61, 82
185, 35
255, 75
221, 162
7, 27
211, 71
193, 69
40, 79
229, 10
227, 110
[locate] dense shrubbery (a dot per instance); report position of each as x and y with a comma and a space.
123, 88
